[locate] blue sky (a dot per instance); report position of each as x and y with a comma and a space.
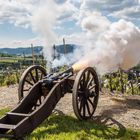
23, 22
10, 31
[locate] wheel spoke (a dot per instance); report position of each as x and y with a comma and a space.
81, 85
93, 86
91, 102
83, 81
27, 89
87, 78
90, 81
88, 109
41, 76
29, 82
80, 92
81, 105
36, 71
84, 108
32, 77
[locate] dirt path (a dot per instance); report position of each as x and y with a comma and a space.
120, 110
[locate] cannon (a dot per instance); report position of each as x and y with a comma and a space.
39, 93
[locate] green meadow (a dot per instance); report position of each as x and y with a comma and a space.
63, 127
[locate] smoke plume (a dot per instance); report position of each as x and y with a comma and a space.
43, 21
105, 45
119, 46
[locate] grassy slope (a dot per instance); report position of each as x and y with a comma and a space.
61, 127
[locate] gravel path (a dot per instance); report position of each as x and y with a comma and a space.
117, 110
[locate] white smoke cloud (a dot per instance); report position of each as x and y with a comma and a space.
69, 59
46, 18
43, 21
106, 45
94, 23
116, 47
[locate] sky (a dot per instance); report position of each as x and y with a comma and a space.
47, 22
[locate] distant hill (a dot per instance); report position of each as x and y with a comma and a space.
68, 48
21, 51
37, 50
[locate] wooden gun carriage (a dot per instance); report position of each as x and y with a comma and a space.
39, 93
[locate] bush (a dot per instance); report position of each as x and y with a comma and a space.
9, 78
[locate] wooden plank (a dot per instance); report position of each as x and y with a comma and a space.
6, 136
7, 126
18, 114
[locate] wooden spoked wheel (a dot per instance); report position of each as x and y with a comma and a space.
29, 77
38, 102
85, 93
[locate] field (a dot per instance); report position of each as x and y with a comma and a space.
64, 127
109, 122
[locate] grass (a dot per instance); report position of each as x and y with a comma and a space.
8, 61
69, 128
61, 127
3, 111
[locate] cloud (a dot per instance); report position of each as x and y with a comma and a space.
131, 13
15, 12
76, 38
37, 41
67, 9
19, 12
60, 1
50, 16
120, 9
47, 16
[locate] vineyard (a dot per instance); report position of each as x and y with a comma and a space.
11, 67
122, 81
118, 82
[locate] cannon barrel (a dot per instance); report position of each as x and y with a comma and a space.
51, 77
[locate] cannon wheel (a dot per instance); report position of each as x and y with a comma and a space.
85, 93
29, 77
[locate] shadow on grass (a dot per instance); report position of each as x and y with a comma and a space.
91, 129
